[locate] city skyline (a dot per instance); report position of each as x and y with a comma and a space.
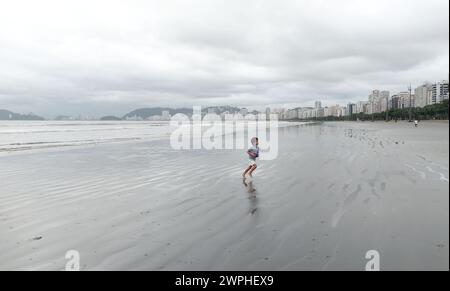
426, 88
378, 101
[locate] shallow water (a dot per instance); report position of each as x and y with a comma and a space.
33, 135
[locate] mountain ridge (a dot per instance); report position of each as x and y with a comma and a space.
9, 115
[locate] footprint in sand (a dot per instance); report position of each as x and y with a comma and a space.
374, 193
346, 205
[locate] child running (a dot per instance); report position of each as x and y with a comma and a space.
253, 153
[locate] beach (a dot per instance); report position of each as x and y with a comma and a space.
335, 191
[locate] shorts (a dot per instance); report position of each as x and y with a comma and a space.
252, 163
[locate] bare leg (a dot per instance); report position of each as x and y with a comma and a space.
246, 171
253, 168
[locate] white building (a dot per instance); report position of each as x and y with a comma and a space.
335, 111
374, 101
422, 95
405, 100
378, 102
318, 112
305, 112
291, 114
439, 92
384, 101
361, 107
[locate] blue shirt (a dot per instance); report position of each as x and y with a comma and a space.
255, 151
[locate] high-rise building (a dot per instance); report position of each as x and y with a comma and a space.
291, 114
440, 92
422, 94
303, 112
333, 111
318, 105
361, 107
374, 101
351, 109
384, 101
378, 101
396, 102
320, 111
402, 100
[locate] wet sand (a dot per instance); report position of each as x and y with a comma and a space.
336, 191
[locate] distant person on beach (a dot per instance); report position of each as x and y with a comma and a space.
253, 154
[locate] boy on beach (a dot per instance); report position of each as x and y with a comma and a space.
253, 153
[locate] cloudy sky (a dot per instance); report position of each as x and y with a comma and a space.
109, 57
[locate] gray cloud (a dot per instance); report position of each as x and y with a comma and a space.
101, 57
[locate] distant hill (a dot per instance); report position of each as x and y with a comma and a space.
110, 118
145, 113
8, 115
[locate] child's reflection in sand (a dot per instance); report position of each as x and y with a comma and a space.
252, 196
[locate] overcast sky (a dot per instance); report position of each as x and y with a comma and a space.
109, 57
